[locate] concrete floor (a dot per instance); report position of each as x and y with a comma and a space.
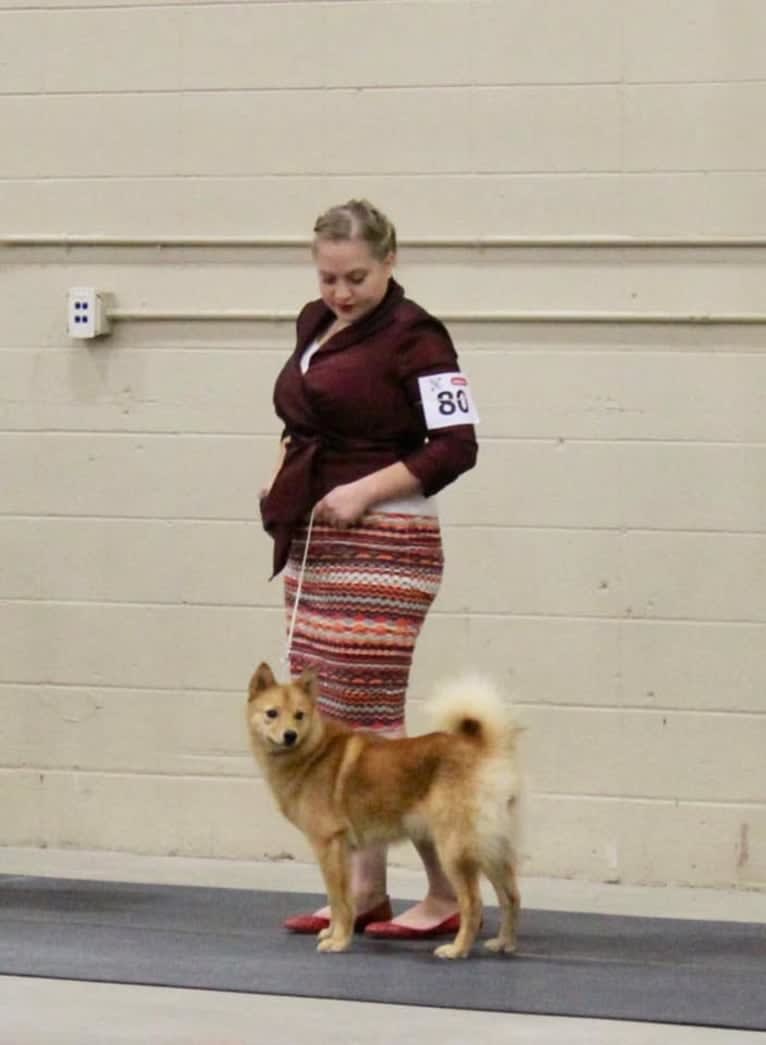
57, 1012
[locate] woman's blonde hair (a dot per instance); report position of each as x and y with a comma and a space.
358, 219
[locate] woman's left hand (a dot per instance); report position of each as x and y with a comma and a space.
342, 506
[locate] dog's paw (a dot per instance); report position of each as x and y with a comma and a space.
501, 946
331, 945
325, 933
449, 951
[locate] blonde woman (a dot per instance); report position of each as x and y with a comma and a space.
377, 419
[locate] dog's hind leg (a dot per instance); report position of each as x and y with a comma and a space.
463, 873
335, 865
502, 875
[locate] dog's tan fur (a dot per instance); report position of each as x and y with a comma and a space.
346, 790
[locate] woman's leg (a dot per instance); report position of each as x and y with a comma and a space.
368, 872
368, 880
406, 556
368, 877
440, 901
369, 889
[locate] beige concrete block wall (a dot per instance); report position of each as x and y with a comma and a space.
606, 560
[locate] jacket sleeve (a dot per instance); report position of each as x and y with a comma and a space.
448, 452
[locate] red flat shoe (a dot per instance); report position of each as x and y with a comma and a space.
391, 931
311, 924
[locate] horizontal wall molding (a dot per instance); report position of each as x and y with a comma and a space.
478, 243
430, 242
562, 317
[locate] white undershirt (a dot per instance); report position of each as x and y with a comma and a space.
308, 354
414, 503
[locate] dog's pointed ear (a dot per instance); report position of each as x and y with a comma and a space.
309, 683
263, 678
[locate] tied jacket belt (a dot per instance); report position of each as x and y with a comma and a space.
312, 466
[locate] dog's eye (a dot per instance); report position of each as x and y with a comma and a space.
298, 715
272, 713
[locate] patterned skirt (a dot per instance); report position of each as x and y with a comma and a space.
365, 594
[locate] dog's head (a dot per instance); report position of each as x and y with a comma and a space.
281, 716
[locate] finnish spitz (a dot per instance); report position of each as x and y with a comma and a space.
346, 789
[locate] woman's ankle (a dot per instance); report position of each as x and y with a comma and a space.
428, 913
362, 904
369, 900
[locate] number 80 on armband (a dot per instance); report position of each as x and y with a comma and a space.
447, 400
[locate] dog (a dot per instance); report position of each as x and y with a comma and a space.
345, 790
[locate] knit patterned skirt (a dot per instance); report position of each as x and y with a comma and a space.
365, 594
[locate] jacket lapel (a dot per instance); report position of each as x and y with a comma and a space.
318, 317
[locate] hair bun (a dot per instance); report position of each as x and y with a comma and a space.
358, 219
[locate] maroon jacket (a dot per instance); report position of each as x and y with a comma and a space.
357, 409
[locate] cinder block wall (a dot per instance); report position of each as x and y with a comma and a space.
607, 558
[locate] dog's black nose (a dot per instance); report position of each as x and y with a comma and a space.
290, 737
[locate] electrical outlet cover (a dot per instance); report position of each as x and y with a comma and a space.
86, 316
81, 312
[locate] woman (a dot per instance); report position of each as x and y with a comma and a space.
377, 419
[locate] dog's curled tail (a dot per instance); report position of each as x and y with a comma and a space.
472, 707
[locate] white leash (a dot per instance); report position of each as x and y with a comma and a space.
288, 647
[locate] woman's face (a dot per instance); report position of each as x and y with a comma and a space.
351, 281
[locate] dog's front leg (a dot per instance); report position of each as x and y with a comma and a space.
334, 861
